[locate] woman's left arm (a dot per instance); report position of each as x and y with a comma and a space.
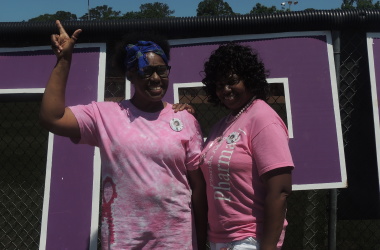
278, 184
199, 205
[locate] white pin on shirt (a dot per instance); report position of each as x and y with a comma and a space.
233, 137
176, 124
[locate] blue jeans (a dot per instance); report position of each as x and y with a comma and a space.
247, 244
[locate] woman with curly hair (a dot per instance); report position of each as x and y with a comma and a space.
246, 160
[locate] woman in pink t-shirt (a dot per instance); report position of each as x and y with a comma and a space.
246, 161
153, 189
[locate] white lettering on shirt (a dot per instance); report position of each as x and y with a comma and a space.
222, 187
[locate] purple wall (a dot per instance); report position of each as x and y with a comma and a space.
376, 52
304, 61
69, 215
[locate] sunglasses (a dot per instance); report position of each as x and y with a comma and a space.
161, 70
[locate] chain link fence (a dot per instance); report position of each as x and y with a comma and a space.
358, 224
23, 154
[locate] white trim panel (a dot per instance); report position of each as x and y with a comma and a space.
45, 207
96, 181
331, 185
127, 89
23, 91
176, 87
44, 48
216, 39
375, 98
285, 82
338, 125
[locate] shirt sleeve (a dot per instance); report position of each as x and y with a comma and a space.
270, 149
195, 145
86, 117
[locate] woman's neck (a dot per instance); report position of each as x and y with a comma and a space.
150, 107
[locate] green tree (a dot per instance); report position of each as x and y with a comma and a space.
309, 9
132, 15
101, 13
150, 10
59, 15
155, 10
260, 9
214, 8
360, 4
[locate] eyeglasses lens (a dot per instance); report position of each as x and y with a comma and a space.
161, 70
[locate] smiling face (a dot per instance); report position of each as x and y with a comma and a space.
233, 93
149, 91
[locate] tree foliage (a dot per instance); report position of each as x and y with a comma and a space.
132, 15
59, 15
261, 9
161, 10
155, 10
214, 8
150, 10
104, 12
360, 4
101, 13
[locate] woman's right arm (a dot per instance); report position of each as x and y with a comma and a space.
54, 115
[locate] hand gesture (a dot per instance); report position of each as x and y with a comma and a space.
183, 106
62, 44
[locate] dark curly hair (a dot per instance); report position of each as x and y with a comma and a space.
233, 58
133, 38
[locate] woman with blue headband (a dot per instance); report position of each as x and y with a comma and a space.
153, 190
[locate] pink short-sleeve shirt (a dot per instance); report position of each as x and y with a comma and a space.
145, 158
254, 144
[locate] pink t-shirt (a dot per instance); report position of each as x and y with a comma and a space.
254, 144
146, 201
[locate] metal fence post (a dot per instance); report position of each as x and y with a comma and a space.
334, 192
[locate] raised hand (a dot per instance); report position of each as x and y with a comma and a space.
54, 115
63, 44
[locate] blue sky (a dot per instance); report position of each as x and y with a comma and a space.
19, 10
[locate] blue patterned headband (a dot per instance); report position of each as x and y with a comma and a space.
138, 51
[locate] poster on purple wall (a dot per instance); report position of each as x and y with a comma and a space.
373, 48
72, 181
302, 64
